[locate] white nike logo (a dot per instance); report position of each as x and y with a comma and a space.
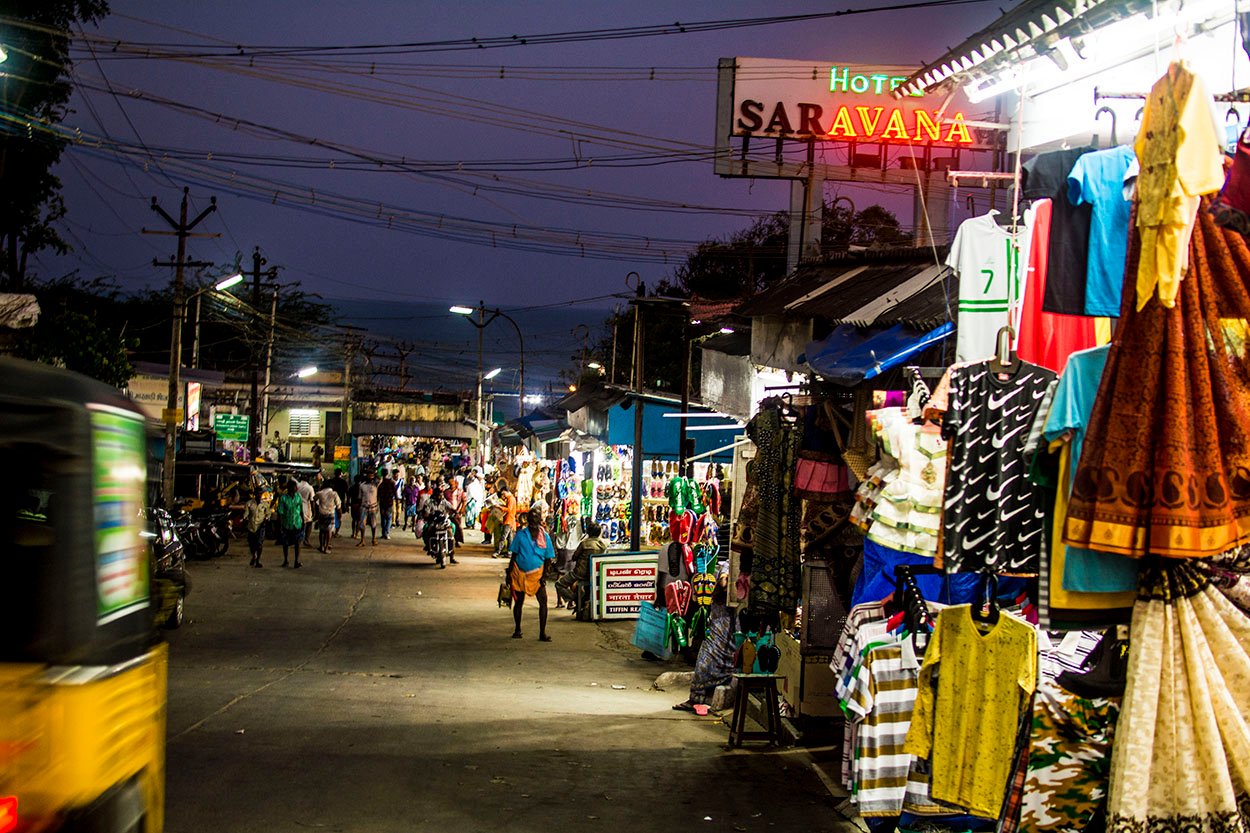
999, 442
997, 402
996, 493
1006, 516
972, 543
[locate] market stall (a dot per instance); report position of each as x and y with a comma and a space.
1044, 623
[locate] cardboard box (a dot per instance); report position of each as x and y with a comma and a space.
808, 683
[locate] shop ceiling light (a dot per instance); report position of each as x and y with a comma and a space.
305, 372
4, 56
491, 374
226, 283
726, 330
461, 310
594, 365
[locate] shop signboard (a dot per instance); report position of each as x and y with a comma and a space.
836, 102
342, 453
233, 428
621, 583
193, 406
119, 471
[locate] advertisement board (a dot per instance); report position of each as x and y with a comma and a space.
193, 405
621, 583
838, 102
119, 474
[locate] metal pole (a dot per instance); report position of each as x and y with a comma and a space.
477, 420
635, 505
175, 359
254, 435
195, 344
273, 316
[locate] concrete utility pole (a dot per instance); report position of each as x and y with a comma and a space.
255, 434
182, 230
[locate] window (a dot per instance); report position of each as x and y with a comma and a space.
304, 423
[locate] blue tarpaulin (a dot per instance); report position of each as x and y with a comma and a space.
660, 433
850, 354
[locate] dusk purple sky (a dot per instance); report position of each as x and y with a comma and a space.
108, 202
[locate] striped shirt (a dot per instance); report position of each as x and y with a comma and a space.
880, 699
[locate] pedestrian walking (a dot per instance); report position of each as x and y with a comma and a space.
531, 550
386, 502
317, 453
507, 524
290, 512
340, 486
459, 501
412, 493
353, 502
475, 491
327, 505
306, 492
255, 513
369, 509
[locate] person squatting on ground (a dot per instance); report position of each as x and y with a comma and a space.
579, 574
255, 513
290, 511
369, 509
531, 550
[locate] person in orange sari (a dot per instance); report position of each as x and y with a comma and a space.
531, 550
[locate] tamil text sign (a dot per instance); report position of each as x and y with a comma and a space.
232, 427
621, 583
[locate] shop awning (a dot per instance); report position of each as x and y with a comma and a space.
660, 433
859, 286
850, 355
1030, 30
433, 429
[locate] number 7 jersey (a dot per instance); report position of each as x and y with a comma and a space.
991, 265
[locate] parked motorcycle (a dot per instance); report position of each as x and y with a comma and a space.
203, 534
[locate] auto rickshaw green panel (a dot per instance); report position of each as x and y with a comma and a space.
70, 549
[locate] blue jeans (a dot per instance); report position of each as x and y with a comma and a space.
386, 519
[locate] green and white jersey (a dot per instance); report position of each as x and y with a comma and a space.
991, 265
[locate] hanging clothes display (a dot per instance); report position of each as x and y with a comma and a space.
1166, 463
971, 749
1178, 147
776, 574
987, 258
1181, 759
1044, 338
1097, 179
994, 516
1045, 176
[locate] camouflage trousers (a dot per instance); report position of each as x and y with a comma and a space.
1069, 760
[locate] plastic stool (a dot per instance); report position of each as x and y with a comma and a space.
766, 685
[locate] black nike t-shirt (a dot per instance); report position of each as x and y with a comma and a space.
1045, 176
994, 516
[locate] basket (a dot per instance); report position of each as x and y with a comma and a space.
651, 631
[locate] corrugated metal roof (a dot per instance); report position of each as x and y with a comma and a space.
1030, 29
928, 308
860, 287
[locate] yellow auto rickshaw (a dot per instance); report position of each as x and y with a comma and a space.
82, 667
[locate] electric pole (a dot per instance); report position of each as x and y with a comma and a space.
254, 435
182, 230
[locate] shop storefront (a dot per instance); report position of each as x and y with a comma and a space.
1015, 538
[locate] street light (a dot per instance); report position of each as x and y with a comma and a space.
226, 283
491, 374
220, 286
481, 324
594, 365
726, 330
4, 56
305, 372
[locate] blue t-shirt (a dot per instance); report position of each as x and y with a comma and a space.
1084, 570
1098, 179
529, 556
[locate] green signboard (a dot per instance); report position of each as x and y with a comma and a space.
232, 427
119, 474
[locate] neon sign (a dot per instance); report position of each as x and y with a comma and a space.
853, 122
841, 80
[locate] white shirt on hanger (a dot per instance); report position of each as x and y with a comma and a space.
992, 265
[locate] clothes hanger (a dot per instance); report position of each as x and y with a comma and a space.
1005, 358
1098, 115
987, 610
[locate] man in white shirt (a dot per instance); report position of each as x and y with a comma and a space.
326, 502
305, 491
370, 513
255, 513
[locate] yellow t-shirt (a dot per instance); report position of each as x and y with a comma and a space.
967, 729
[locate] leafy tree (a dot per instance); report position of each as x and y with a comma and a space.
35, 87
76, 330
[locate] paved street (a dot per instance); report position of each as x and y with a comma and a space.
370, 691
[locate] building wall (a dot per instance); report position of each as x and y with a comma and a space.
777, 341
